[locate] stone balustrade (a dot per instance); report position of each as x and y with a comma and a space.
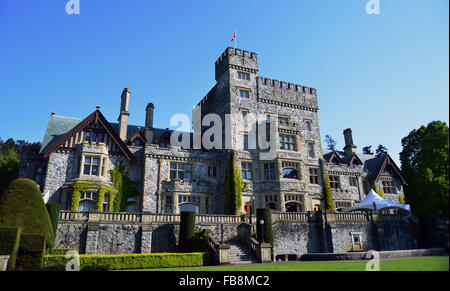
146, 217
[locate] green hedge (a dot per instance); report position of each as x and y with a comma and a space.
62, 251
9, 244
31, 251
187, 227
53, 212
266, 215
129, 261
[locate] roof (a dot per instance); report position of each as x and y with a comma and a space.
58, 126
372, 164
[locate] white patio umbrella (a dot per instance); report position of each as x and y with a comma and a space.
374, 202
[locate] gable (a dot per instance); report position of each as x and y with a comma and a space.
96, 128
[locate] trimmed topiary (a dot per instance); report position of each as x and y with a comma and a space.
53, 212
9, 244
187, 228
327, 194
266, 215
21, 205
31, 252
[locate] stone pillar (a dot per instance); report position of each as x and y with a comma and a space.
282, 203
224, 254
92, 238
175, 202
264, 252
146, 239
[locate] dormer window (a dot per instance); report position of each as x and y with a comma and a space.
91, 166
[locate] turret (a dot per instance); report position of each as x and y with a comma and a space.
238, 59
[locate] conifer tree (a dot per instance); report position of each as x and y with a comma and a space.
327, 194
233, 187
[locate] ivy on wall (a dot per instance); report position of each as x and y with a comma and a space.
118, 191
125, 188
77, 189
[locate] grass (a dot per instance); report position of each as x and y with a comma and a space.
406, 264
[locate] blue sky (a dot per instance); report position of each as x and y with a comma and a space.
382, 75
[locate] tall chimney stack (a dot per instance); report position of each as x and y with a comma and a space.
349, 148
148, 132
123, 116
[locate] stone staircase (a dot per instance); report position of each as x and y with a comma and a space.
240, 253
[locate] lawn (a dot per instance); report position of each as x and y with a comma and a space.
406, 264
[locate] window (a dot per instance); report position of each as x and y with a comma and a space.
388, 187
168, 206
91, 165
310, 150
287, 142
269, 171
180, 171
246, 170
105, 203
308, 125
212, 171
334, 182
245, 142
92, 136
103, 173
244, 93
271, 201
313, 175
137, 142
283, 119
87, 201
244, 76
244, 116
290, 170
87, 136
353, 181
342, 204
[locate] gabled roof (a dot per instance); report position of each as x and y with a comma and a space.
137, 135
377, 165
373, 165
349, 159
55, 138
332, 155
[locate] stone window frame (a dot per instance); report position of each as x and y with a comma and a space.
245, 141
353, 181
213, 172
287, 164
241, 90
246, 170
342, 204
240, 73
269, 170
271, 199
103, 164
177, 170
334, 182
309, 151
310, 124
289, 142
389, 185
313, 176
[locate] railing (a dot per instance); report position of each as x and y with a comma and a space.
296, 216
149, 217
351, 216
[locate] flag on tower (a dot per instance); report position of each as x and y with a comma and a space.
234, 35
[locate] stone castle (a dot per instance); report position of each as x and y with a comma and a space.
171, 179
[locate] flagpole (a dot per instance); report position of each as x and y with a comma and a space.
235, 38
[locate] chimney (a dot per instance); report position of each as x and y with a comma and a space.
148, 132
349, 148
123, 116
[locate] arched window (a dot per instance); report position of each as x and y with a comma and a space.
293, 207
290, 173
188, 207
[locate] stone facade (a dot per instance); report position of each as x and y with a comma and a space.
170, 179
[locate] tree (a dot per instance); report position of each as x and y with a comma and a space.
233, 187
367, 150
380, 192
331, 143
425, 166
327, 194
9, 167
381, 150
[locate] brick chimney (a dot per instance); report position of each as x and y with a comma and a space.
123, 116
148, 132
349, 148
